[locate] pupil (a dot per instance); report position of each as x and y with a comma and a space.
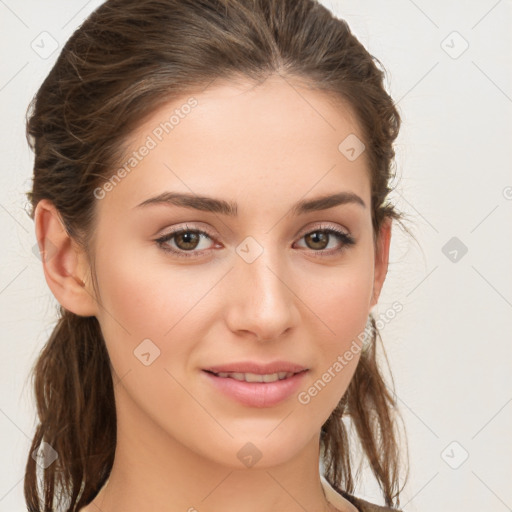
318, 237
189, 238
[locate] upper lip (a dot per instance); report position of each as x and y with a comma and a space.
257, 368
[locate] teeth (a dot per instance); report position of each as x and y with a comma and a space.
253, 377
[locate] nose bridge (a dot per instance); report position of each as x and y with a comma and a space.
263, 302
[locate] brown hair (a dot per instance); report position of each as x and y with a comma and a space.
127, 59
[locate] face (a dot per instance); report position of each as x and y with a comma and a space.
249, 278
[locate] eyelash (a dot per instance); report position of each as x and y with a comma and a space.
346, 239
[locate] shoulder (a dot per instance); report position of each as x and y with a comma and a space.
366, 506
337, 496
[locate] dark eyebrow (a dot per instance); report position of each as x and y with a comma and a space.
210, 204
326, 202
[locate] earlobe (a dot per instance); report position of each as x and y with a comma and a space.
64, 265
381, 259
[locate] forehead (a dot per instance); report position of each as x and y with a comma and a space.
259, 143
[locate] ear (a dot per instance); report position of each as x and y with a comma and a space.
65, 265
381, 259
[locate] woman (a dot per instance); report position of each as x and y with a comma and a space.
210, 196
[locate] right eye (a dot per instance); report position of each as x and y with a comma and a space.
185, 241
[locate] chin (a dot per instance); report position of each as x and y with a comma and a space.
263, 449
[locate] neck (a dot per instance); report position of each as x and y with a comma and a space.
153, 471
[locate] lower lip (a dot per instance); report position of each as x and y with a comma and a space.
257, 394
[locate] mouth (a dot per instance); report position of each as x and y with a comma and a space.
256, 389
255, 377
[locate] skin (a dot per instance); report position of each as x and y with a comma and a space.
264, 147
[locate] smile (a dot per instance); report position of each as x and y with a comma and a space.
254, 377
256, 390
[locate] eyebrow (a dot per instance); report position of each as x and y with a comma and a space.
213, 205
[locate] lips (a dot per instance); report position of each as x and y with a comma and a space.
256, 384
257, 368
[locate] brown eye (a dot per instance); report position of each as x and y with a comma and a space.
317, 240
187, 240
320, 239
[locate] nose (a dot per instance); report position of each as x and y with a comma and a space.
262, 301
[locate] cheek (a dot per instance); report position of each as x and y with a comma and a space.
152, 301
341, 300
343, 310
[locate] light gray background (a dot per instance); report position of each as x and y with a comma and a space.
450, 348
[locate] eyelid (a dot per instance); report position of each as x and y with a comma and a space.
347, 240
321, 227
176, 230
163, 240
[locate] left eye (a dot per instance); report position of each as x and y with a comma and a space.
186, 241
320, 239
